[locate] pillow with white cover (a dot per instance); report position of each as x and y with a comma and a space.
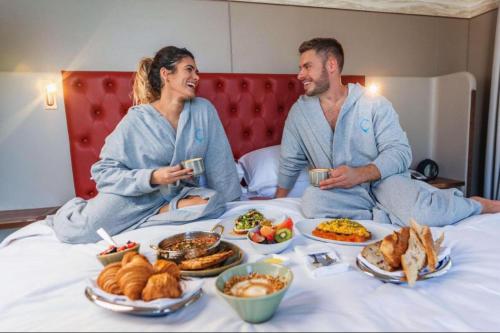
260, 169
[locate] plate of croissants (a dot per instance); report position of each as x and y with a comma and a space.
136, 286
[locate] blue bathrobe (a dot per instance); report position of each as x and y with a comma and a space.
142, 142
367, 131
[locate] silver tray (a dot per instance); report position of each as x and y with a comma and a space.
443, 267
141, 311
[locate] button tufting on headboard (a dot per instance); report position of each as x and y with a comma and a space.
252, 108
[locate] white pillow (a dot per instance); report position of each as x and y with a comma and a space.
261, 173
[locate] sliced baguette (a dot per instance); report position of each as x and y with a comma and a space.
414, 258
394, 246
425, 236
438, 242
373, 255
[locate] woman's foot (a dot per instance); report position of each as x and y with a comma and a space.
489, 206
164, 209
186, 202
191, 201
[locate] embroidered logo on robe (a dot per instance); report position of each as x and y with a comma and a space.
198, 135
364, 124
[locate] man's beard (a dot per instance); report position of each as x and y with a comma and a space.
320, 86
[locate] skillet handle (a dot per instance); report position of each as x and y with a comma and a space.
159, 252
217, 227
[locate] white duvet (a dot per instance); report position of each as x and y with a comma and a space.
42, 284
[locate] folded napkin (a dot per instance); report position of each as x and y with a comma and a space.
316, 272
189, 287
443, 253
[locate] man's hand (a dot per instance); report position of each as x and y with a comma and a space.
169, 175
281, 192
348, 177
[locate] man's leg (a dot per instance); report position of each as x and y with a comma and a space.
353, 203
404, 198
489, 206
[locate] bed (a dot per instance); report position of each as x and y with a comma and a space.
43, 280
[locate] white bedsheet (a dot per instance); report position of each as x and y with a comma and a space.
42, 283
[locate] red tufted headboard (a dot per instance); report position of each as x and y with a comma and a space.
252, 108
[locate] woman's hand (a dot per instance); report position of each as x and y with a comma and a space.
169, 175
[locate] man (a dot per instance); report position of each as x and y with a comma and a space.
359, 137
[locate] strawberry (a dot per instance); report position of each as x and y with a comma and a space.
287, 223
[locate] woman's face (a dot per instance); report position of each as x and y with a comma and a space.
184, 81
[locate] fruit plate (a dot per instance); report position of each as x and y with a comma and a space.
235, 259
228, 222
378, 231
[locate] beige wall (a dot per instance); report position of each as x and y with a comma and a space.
50, 35
480, 60
265, 38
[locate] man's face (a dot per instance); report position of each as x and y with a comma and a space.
313, 73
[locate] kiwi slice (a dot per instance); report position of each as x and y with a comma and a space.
282, 235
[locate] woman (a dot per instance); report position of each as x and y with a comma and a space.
139, 177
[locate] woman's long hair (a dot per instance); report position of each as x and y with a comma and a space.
147, 81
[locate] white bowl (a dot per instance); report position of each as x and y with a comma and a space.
270, 248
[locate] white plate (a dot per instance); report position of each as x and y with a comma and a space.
443, 266
228, 222
192, 291
378, 231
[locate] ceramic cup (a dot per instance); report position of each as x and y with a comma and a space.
317, 175
196, 164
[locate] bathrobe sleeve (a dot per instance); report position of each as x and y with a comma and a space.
118, 171
292, 157
392, 143
220, 168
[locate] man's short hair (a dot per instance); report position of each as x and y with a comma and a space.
325, 47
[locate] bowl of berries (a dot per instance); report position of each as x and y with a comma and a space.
268, 238
115, 254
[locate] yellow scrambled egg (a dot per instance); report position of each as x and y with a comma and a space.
344, 227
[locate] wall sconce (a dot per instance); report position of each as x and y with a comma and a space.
50, 100
374, 89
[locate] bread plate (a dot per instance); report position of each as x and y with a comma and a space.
378, 231
443, 266
140, 311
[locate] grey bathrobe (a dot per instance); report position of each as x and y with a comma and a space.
367, 131
142, 142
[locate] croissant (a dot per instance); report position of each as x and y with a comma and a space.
167, 266
133, 276
107, 279
136, 278
160, 286
129, 256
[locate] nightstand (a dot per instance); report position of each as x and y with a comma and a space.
444, 183
12, 219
